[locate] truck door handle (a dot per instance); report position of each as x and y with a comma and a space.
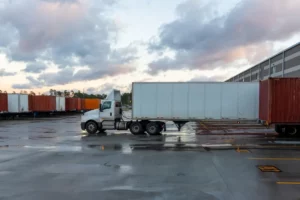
110, 114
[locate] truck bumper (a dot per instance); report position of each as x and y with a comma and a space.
82, 126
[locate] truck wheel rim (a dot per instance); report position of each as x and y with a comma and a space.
152, 129
91, 127
136, 128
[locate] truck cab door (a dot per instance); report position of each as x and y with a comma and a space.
107, 110
118, 110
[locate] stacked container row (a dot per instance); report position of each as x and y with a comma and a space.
18, 103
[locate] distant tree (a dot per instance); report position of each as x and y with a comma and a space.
58, 93
25, 92
72, 93
66, 93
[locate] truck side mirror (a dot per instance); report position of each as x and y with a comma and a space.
100, 108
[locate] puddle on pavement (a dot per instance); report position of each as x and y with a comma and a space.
41, 137
121, 168
56, 148
127, 149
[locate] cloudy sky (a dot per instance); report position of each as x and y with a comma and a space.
96, 45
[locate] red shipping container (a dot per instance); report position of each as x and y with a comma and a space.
71, 104
3, 102
279, 100
42, 103
79, 104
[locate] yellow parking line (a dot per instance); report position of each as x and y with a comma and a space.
204, 125
274, 158
288, 183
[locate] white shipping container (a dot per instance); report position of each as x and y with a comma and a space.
60, 104
195, 101
17, 103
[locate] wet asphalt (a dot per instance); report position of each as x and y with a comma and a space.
53, 159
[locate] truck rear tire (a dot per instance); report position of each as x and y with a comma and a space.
152, 128
136, 128
91, 127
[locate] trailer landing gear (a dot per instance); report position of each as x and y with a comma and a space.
179, 124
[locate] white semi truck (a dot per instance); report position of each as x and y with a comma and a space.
155, 103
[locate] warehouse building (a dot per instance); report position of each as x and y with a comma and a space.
283, 64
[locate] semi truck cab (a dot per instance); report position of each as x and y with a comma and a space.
107, 117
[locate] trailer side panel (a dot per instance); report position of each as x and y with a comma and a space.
195, 100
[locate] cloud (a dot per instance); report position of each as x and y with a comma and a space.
208, 78
106, 88
202, 39
23, 86
5, 73
66, 33
35, 67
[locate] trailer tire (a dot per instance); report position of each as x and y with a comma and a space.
292, 131
136, 128
278, 129
91, 127
153, 128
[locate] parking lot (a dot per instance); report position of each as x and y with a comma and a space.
53, 159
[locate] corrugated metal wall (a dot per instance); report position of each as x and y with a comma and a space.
283, 64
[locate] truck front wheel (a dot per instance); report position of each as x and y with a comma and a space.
136, 128
91, 127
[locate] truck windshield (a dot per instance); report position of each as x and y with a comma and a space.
106, 105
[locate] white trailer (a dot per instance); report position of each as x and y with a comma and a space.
195, 101
18, 103
155, 103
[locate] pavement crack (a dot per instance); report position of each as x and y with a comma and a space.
228, 188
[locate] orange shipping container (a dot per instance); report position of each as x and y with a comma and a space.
42, 103
91, 104
3, 102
